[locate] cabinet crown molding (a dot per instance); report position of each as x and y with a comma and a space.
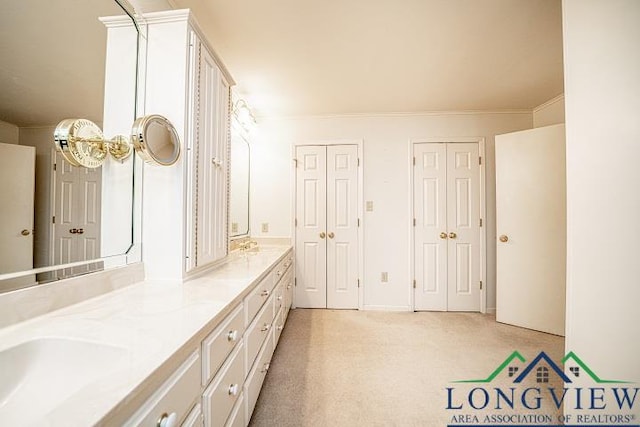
186, 15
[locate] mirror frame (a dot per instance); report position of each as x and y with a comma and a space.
133, 253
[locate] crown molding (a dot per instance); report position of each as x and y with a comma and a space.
395, 114
548, 103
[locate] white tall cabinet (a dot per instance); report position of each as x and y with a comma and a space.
185, 205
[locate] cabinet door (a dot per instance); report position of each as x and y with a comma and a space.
212, 135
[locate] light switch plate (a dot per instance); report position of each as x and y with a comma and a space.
265, 227
384, 277
369, 206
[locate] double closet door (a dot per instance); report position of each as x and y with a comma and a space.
446, 200
327, 226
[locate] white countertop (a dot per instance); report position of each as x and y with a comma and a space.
148, 323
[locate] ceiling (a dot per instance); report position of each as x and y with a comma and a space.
292, 57
52, 60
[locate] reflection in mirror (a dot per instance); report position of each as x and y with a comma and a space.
53, 67
242, 124
239, 185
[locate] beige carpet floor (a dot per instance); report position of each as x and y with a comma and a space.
367, 368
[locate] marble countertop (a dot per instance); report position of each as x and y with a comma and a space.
147, 323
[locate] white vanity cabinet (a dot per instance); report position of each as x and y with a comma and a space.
173, 400
185, 204
219, 382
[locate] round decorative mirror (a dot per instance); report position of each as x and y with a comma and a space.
156, 140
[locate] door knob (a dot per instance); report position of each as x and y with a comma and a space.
73, 231
452, 235
25, 232
80, 230
322, 234
443, 235
504, 238
331, 235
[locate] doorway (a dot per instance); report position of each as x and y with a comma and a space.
447, 225
327, 225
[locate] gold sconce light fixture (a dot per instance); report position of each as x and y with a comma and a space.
82, 143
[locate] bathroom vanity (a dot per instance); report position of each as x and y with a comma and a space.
176, 330
193, 354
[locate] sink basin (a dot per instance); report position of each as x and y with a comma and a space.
38, 375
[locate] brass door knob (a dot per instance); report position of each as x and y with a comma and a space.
80, 230
443, 235
25, 232
452, 235
331, 235
73, 231
504, 238
322, 234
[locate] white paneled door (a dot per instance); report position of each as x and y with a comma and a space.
76, 221
531, 225
446, 200
17, 172
327, 226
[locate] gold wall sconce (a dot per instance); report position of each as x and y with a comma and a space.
82, 143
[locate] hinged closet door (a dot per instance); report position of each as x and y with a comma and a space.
342, 226
311, 229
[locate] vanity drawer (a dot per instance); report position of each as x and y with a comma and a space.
278, 295
278, 325
219, 398
175, 396
195, 418
259, 330
282, 268
238, 415
257, 298
288, 290
256, 377
217, 346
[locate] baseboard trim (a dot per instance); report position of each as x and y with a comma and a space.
386, 308
491, 310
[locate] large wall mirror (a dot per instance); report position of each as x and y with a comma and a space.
239, 177
52, 67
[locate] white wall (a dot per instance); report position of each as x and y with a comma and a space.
549, 113
602, 90
9, 133
386, 183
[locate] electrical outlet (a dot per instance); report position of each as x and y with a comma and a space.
384, 277
265, 227
369, 207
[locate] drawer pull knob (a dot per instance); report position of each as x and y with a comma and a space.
233, 390
265, 367
232, 336
280, 327
168, 420
289, 286
265, 293
279, 273
265, 327
280, 298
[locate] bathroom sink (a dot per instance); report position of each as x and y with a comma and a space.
38, 375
